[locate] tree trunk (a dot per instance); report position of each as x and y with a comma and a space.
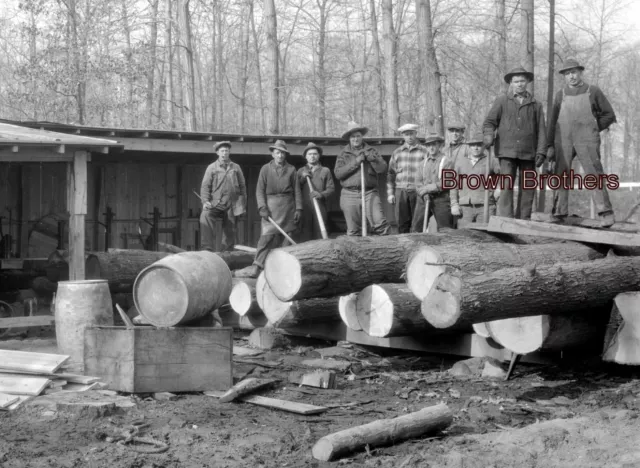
626, 142
271, 26
321, 86
501, 29
130, 66
244, 67
153, 60
391, 68
622, 341
170, 49
306, 311
527, 36
263, 119
435, 114
243, 296
348, 313
378, 68
427, 262
383, 432
332, 267
560, 289
191, 88
251, 321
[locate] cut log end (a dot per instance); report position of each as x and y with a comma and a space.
274, 309
623, 346
422, 270
283, 273
261, 283
347, 309
520, 335
374, 311
441, 306
323, 450
481, 329
240, 298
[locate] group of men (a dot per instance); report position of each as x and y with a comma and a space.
290, 201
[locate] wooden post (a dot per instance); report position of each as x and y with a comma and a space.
77, 204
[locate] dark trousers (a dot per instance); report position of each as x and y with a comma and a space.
266, 243
217, 230
351, 205
439, 207
512, 167
405, 209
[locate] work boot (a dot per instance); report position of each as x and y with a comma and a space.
252, 271
606, 219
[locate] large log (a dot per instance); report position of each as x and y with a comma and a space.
622, 344
427, 262
383, 432
243, 296
560, 289
385, 310
347, 310
333, 267
228, 318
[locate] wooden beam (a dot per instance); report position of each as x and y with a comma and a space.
77, 204
31, 154
182, 208
559, 231
23, 210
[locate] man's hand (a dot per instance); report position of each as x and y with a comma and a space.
431, 188
360, 159
297, 216
540, 157
305, 173
207, 205
551, 154
391, 199
315, 194
264, 213
487, 141
371, 157
455, 210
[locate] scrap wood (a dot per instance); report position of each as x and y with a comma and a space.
284, 405
7, 400
21, 400
69, 377
245, 387
32, 362
19, 384
130, 437
269, 364
242, 351
326, 364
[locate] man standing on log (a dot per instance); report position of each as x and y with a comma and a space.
224, 197
468, 203
403, 177
321, 189
279, 200
580, 112
521, 140
456, 147
430, 191
347, 171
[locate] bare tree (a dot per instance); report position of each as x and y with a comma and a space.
433, 96
527, 36
271, 24
391, 66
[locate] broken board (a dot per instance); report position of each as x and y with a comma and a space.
25, 361
7, 400
19, 384
274, 403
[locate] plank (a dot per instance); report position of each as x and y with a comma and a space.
586, 222
559, 231
284, 405
22, 385
242, 351
31, 362
75, 387
30, 321
21, 400
70, 378
7, 400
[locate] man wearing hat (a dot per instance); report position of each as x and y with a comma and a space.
430, 188
468, 203
580, 112
321, 189
403, 177
521, 140
279, 198
224, 197
347, 171
456, 147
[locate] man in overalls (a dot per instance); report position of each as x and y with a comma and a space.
580, 112
320, 189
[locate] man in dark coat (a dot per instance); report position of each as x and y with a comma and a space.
580, 112
456, 148
279, 198
521, 141
316, 183
224, 197
347, 171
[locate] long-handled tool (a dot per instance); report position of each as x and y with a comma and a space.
427, 207
364, 204
281, 230
485, 213
316, 205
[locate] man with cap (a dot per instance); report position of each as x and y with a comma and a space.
279, 198
580, 112
320, 188
347, 171
224, 197
468, 203
430, 189
403, 177
456, 147
521, 141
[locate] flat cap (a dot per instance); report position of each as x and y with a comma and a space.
220, 144
408, 128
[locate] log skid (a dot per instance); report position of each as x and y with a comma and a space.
347, 310
243, 296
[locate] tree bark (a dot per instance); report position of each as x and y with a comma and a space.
332, 267
153, 60
622, 341
243, 296
271, 26
527, 36
306, 311
434, 111
560, 289
378, 68
251, 321
191, 88
501, 29
427, 262
391, 67
244, 67
263, 119
347, 310
170, 49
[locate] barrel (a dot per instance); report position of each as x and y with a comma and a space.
80, 304
182, 287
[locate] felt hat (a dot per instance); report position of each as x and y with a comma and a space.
569, 64
354, 127
459, 125
408, 128
476, 139
518, 71
279, 145
311, 146
220, 144
433, 137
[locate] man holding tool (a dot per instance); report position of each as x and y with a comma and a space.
316, 186
279, 204
224, 197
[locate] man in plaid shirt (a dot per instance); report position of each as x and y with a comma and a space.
403, 177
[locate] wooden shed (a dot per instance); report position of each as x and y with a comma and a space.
150, 174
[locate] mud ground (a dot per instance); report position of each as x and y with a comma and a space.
577, 414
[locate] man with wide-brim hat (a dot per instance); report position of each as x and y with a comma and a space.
515, 123
224, 198
467, 199
403, 177
279, 199
430, 188
456, 147
355, 155
580, 112
316, 183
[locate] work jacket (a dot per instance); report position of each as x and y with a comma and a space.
278, 190
431, 174
463, 195
224, 188
347, 169
404, 167
320, 178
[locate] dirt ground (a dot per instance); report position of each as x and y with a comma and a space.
579, 414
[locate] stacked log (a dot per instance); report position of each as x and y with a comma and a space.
622, 341
243, 296
348, 312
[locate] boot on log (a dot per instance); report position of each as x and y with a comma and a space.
332, 267
561, 289
347, 309
427, 262
243, 296
622, 342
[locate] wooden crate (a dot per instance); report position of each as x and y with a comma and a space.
146, 359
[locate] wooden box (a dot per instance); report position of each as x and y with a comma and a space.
148, 359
